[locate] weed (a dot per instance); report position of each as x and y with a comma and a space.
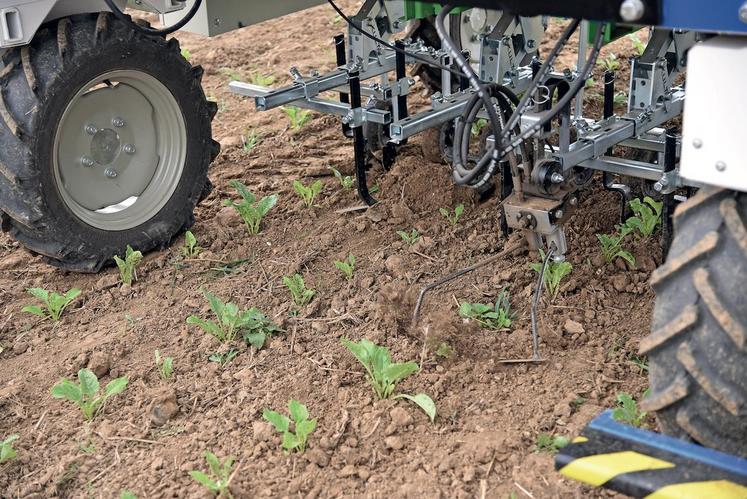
296, 286
128, 266
54, 303
478, 126
258, 328
550, 443
217, 481
223, 358
577, 403
7, 452
383, 374
612, 246
554, 274
298, 117
409, 238
498, 316
250, 141
589, 82
126, 494
232, 74
336, 20
186, 54
85, 393
260, 79
453, 218
620, 98
190, 249
251, 210
164, 365
302, 425
444, 351
647, 215
231, 320
308, 194
627, 410
346, 181
638, 45
640, 361
610, 63
347, 266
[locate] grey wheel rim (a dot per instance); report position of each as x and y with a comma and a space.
119, 150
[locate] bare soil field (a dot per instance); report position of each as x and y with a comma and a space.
489, 414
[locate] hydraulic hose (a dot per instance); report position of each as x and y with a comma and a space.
150, 31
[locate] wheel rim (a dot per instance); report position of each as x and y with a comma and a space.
119, 150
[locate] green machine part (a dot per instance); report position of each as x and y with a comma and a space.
415, 9
612, 31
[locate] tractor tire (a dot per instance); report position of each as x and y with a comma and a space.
698, 346
105, 141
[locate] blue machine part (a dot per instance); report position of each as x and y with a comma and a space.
715, 16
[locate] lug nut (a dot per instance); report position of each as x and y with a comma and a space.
111, 173
557, 178
87, 162
91, 130
129, 149
118, 122
632, 10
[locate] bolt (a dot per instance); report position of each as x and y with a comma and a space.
109, 172
559, 214
91, 130
632, 10
118, 122
743, 13
531, 44
129, 149
658, 187
720, 166
557, 178
86, 161
697, 143
573, 201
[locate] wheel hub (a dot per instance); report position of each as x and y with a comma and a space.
105, 146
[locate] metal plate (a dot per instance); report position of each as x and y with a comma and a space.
715, 113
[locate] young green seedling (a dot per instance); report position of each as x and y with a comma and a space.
85, 393
550, 443
347, 266
165, 366
308, 194
251, 210
346, 181
298, 117
638, 45
612, 246
186, 54
260, 79
250, 141
190, 249
478, 126
302, 425
409, 238
223, 358
554, 274
647, 216
126, 494
627, 410
620, 98
232, 74
217, 481
53, 304
383, 374
7, 452
295, 284
453, 218
128, 266
498, 316
257, 328
610, 63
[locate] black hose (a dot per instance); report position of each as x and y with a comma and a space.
150, 31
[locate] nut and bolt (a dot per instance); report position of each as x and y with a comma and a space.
743, 13
720, 166
697, 143
557, 178
559, 214
632, 10
128, 149
87, 161
658, 187
91, 130
110, 173
118, 122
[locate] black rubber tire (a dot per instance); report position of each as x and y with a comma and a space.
698, 346
36, 85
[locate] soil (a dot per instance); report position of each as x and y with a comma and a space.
489, 414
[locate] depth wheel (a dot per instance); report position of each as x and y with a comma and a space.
698, 346
105, 141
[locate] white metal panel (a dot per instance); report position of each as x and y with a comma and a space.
714, 144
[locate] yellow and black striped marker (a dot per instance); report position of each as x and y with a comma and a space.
645, 464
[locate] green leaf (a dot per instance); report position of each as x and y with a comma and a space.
243, 191
41, 294
204, 480
290, 441
305, 428
266, 204
213, 463
459, 210
280, 422
72, 294
89, 383
257, 340
208, 326
67, 390
423, 401
297, 411
126, 494
397, 372
33, 309
116, 386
